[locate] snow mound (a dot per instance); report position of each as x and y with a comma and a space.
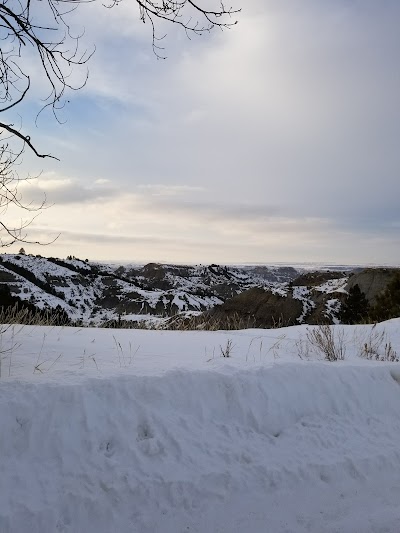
199, 447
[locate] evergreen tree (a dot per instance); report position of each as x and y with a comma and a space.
388, 303
355, 309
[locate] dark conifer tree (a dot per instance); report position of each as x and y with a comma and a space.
355, 309
388, 303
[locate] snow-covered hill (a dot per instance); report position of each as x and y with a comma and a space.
95, 293
156, 432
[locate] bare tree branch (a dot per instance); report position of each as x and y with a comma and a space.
10, 197
38, 32
25, 139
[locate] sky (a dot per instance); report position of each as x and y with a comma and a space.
274, 141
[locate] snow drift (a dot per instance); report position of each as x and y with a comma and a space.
198, 445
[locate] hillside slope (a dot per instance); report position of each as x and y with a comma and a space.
251, 296
94, 293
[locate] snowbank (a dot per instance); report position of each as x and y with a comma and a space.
175, 440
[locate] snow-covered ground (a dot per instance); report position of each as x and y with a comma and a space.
133, 431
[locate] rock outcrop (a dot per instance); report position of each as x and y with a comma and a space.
372, 281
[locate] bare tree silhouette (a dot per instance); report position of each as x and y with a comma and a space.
38, 33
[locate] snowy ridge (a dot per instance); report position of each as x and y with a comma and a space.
94, 294
333, 285
174, 439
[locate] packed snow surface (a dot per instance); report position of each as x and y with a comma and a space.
131, 431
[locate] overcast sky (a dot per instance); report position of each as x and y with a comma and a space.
276, 141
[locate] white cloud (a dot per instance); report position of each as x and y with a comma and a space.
64, 190
158, 189
277, 139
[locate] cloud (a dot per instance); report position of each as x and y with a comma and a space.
322, 240
280, 135
158, 189
63, 191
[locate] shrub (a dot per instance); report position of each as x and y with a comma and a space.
376, 346
330, 345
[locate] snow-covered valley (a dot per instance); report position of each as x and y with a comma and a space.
99, 294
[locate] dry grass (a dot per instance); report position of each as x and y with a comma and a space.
213, 321
226, 351
328, 341
210, 322
375, 345
14, 315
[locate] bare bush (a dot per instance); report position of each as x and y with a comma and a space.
303, 349
330, 342
377, 346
